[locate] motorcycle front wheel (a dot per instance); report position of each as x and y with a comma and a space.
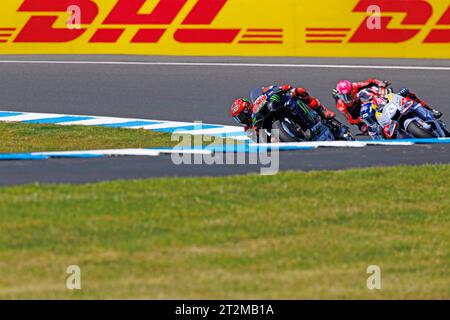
340, 131
288, 132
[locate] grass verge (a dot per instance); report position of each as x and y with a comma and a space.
294, 236
20, 137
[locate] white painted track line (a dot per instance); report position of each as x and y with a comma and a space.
223, 130
122, 152
337, 144
166, 125
225, 64
29, 116
97, 121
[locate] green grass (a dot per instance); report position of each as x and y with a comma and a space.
293, 235
20, 137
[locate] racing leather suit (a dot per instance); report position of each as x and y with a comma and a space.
275, 94
366, 96
353, 111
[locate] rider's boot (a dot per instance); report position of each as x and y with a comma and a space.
375, 135
325, 113
363, 128
405, 92
436, 113
445, 129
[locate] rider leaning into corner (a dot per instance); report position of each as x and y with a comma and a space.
376, 94
377, 104
245, 112
350, 96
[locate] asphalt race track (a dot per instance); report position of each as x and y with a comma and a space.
183, 92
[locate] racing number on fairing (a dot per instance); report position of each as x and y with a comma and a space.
418, 12
259, 103
391, 109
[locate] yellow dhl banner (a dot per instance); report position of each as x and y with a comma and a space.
327, 28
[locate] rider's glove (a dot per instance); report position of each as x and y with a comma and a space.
385, 84
335, 94
285, 88
299, 93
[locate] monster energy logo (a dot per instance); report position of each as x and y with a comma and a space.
306, 110
275, 98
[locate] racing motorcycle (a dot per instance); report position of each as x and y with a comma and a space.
304, 125
403, 118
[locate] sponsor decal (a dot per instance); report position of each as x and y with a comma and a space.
417, 14
347, 28
152, 26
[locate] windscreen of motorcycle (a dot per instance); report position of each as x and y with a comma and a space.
255, 94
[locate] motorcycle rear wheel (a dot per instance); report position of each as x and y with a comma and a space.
417, 131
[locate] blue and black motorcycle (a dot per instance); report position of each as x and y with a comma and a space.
294, 120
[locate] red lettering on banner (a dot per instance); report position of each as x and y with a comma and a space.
126, 12
206, 35
440, 35
148, 35
445, 19
204, 12
40, 28
418, 12
107, 35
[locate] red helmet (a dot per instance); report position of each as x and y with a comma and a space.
241, 111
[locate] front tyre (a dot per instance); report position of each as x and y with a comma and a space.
347, 136
418, 132
287, 132
340, 131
